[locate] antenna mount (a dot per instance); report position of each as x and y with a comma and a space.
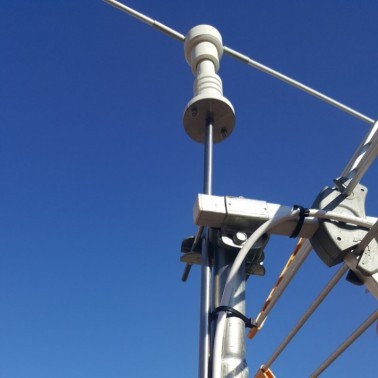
203, 51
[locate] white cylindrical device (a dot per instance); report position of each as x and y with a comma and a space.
203, 51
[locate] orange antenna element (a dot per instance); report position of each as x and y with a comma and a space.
263, 313
262, 373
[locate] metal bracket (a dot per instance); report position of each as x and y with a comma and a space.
233, 242
245, 215
334, 240
368, 262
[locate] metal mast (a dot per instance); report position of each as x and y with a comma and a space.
209, 118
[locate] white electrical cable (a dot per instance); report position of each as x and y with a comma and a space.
221, 321
264, 228
341, 217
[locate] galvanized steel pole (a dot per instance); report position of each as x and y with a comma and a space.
204, 341
234, 363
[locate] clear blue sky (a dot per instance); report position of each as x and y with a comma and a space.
98, 179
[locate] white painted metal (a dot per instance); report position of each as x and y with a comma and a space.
371, 282
243, 214
371, 234
362, 159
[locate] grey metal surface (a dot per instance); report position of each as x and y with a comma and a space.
370, 281
204, 338
234, 363
332, 241
204, 341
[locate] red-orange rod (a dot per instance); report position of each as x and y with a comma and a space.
254, 330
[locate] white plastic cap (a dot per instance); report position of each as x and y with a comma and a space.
203, 42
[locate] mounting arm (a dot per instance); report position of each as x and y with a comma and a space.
333, 241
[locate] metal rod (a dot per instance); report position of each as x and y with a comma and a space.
204, 341
297, 84
196, 241
353, 337
197, 238
315, 304
234, 363
362, 159
205, 335
360, 150
286, 79
208, 171
149, 21
276, 293
186, 272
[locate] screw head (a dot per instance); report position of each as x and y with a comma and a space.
193, 112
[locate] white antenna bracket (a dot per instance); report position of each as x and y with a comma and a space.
203, 51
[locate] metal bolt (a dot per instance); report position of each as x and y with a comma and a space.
194, 112
224, 133
239, 238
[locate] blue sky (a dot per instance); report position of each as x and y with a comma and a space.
99, 179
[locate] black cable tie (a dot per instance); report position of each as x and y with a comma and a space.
231, 312
303, 213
